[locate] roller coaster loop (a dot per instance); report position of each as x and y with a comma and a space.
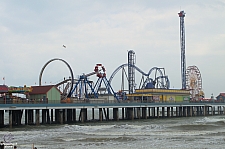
71, 72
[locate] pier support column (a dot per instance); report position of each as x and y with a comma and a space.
26, 117
57, 116
144, 113
74, 115
168, 112
138, 113
1, 118
171, 111
69, 115
30, 117
93, 113
16, 117
115, 114
107, 118
223, 110
83, 115
183, 111
51, 115
199, 111
61, 116
106, 113
186, 111
48, 117
211, 110
191, 112
177, 111
44, 116
10, 119
100, 114
157, 112
123, 113
204, 110
37, 117
149, 112
163, 112
64, 115
195, 111
20, 115
130, 113
180, 111
153, 112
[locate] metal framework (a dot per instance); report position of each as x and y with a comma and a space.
131, 71
159, 80
69, 85
83, 84
194, 81
182, 44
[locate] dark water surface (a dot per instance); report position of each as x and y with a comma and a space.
190, 132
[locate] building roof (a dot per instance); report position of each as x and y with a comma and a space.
3, 89
221, 94
41, 89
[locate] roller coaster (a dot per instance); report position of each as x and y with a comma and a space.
160, 80
84, 88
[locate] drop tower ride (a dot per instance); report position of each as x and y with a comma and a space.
182, 44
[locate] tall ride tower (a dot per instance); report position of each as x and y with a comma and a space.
182, 44
131, 71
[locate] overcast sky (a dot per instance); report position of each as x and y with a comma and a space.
33, 32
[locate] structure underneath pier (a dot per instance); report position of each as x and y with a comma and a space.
82, 114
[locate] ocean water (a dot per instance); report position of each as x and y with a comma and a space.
184, 132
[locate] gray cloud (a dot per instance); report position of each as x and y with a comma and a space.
101, 32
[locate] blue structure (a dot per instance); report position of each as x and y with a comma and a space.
83, 84
160, 80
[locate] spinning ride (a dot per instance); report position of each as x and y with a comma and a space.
85, 89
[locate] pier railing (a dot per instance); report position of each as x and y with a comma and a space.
96, 101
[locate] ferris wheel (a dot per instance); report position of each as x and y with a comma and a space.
194, 81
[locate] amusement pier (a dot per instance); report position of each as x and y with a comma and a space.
79, 100
53, 113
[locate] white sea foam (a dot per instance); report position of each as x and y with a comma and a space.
210, 120
157, 133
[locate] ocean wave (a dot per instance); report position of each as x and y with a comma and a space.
208, 120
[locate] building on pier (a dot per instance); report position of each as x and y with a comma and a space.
46, 93
3, 93
160, 95
221, 97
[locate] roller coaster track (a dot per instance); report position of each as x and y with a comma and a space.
65, 81
71, 72
143, 73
